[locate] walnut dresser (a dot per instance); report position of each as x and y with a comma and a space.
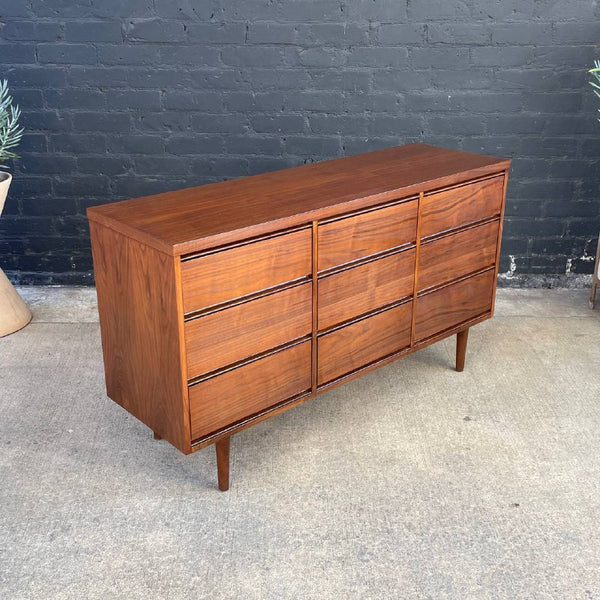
226, 304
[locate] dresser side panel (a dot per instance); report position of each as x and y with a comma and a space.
139, 308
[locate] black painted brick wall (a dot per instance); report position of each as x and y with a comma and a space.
125, 98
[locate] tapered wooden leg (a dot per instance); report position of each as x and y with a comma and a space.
461, 349
156, 436
593, 295
222, 448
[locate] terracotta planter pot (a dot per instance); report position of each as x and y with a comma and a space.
14, 313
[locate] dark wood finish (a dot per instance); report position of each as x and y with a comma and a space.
237, 394
137, 303
156, 436
227, 336
453, 256
453, 304
367, 233
226, 284
222, 450
364, 288
461, 349
360, 343
461, 205
222, 276
205, 217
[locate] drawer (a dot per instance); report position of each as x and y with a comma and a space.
351, 347
453, 304
456, 255
228, 274
226, 336
242, 392
367, 233
461, 205
358, 290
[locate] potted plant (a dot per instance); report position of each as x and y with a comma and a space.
14, 314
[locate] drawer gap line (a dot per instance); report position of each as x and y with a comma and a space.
362, 317
440, 286
368, 209
244, 242
246, 361
247, 298
363, 260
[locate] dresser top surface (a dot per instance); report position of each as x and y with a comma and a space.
201, 217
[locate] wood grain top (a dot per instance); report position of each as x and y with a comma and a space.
202, 217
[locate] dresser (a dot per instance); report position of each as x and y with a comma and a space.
226, 304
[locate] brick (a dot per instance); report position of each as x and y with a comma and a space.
155, 30
204, 101
167, 121
440, 58
28, 31
401, 34
383, 11
252, 56
253, 145
33, 142
316, 146
314, 101
562, 102
524, 34
459, 34
93, 31
137, 144
45, 120
81, 54
103, 165
78, 143
438, 10
196, 144
378, 57
313, 10
272, 33
216, 33
210, 123
133, 99
164, 165
277, 123
322, 57
206, 56
128, 54
576, 33
13, 53
340, 124
10, 8
102, 121
74, 98
505, 56
183, 9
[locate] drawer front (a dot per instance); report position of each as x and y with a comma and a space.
229, 274
351, 347
456, 255
461, 205
354, 237
224, 337
356, 291
242, 392
453, 304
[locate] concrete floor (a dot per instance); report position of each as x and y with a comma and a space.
414, 482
